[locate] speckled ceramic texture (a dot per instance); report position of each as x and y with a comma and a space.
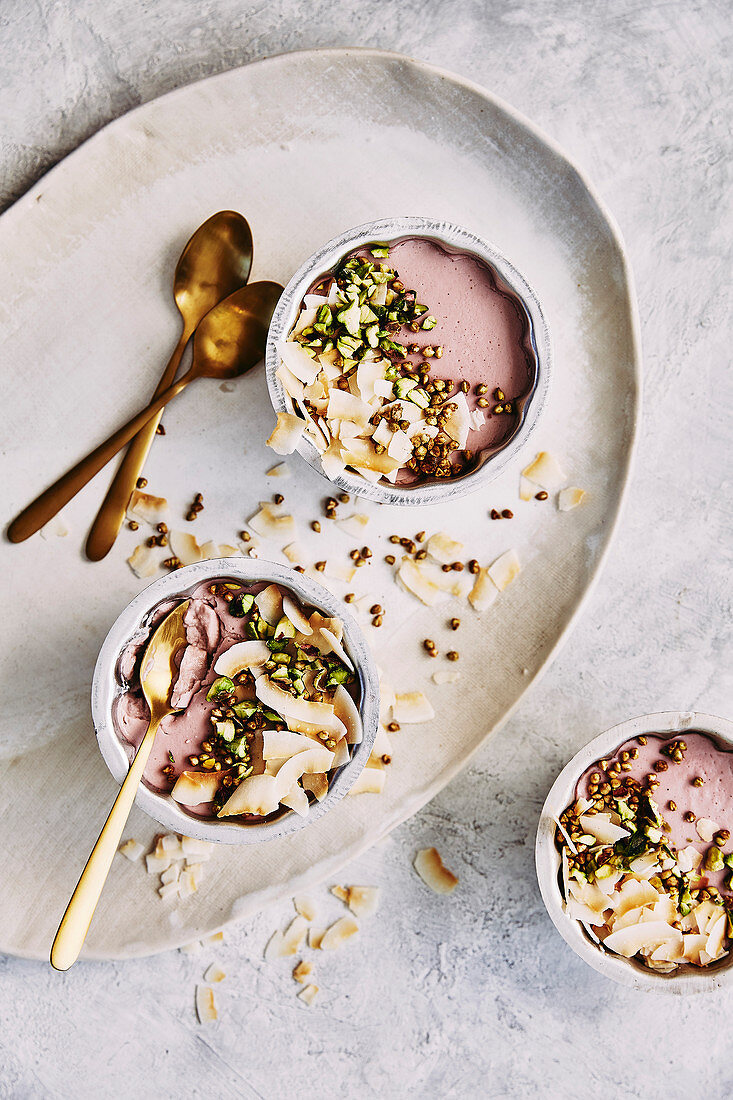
687, 979
110, 221
455, 236
105, 688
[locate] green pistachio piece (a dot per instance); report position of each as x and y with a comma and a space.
714, 859
221, 686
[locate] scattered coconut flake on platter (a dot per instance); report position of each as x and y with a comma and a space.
302, 970
131, 850
55, 528
308, 995
415, 581
353, 525
146, 508
287, 433
294, 552
369, 781
281, 470
433, 872
545, 471
527, 488
185, 547
314, 938
569, 498
270, 523
143, 561
214, 974
484, 591
169, 890
209, 550
273, 947
443, 548
215, 937
361, 900
304, 906
338, 933
443, 676
227, 551
205, 1004
412, 706
505, 569
194, 948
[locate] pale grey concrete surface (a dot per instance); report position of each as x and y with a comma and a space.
475, 996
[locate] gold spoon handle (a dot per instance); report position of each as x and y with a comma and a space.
79, 912
45, 507
111, 514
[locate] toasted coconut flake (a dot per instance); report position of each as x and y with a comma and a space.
270, 525
308, 995
545, 471
602, 828
294, 553
171, 875
527, 488
484, 591
633, 893
505, 569
341, 754
185, 547
338, 933
55, 528
295, 614
269, 603
706, 828
370, 781
214, 974
443, 676
293, 386
302, 970
340, 892
286, 434
296, 799
209, 550
227, 551
143, 561
298, 362
382, 745
353, 525
242, 655
257, 794
318, 715
443, 548
192, 788
194, 948
281, 470
716, 937
131, 850
197, 849
169, 890
412, 706
205, 1004
329, 642
647, 936
689, 859
333, 462
347, 711
304, 907
315, 938
362, 900
418, 584
583, 913
189, 882
282, 744
155, 865
343, 405
570, 498
433, 872
317, 784
146, 508
294, 936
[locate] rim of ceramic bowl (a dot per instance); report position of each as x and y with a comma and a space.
455, 236
683, 981
105, 687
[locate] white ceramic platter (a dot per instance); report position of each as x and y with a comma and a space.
306, 145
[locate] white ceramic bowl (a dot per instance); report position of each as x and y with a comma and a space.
105, 687
685, 980
391, 229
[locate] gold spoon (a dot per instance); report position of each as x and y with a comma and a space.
228, 342
158, 668
216, 261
